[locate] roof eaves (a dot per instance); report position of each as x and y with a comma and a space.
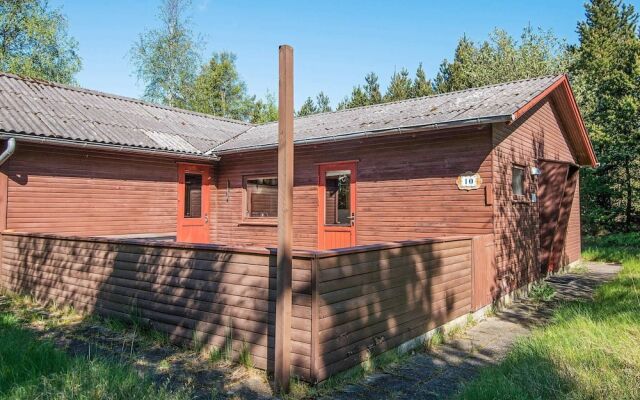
531, 103
584, 134
85, 144
562, 82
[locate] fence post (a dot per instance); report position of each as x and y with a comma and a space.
285, 221
315, 316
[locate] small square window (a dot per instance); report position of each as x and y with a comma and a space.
517, 180
261, 197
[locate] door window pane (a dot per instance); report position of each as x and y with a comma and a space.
338, 198
262, 197
192, 195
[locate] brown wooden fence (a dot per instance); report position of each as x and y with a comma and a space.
347, 304
187, 291
377, 297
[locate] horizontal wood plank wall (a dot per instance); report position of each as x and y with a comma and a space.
186, 291
406, 188
537, 134
66, 191
573, 247
374, 300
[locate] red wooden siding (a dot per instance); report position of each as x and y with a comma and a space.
551, 187
537, 134
60, 190
405, 186
184, 290
573, 247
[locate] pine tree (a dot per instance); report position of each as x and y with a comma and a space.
322, 103
421, 85
307, 108
358, 98
343, 104
502, 58
456, 75
372, 89
363, 95
399, 87
606, 77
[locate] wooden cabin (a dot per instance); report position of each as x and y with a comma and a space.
499, 160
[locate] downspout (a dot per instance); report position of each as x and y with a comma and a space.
8, 152
4, 188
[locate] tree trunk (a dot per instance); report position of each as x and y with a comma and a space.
629, 187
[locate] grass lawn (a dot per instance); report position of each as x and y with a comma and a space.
34, 369
590, 350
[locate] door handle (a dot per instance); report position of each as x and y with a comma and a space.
352, 218
206, 218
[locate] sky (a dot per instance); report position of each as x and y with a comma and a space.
336, 43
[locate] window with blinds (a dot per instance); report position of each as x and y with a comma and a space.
192, 196
261, 197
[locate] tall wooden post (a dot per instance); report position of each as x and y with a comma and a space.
285, 220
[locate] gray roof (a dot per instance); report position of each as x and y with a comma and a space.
472, 106
31, 108
34, 107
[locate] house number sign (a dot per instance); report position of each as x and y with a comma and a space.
469, 181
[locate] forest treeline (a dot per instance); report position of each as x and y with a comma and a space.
603, 66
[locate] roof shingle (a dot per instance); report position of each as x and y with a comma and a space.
37, 108
496, 102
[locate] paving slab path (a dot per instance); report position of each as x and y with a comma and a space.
439, 373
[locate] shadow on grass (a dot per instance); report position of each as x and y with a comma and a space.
589, 351
33, 368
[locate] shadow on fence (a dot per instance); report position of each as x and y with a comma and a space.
348, 304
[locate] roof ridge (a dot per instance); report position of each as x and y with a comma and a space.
426, 97
121, 98
213, 149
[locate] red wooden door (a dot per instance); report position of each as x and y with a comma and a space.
337, 205
193, 203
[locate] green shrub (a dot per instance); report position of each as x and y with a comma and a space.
541, 291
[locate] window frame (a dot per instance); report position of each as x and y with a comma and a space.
246, 213
324, 211
523, 196
188, 194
